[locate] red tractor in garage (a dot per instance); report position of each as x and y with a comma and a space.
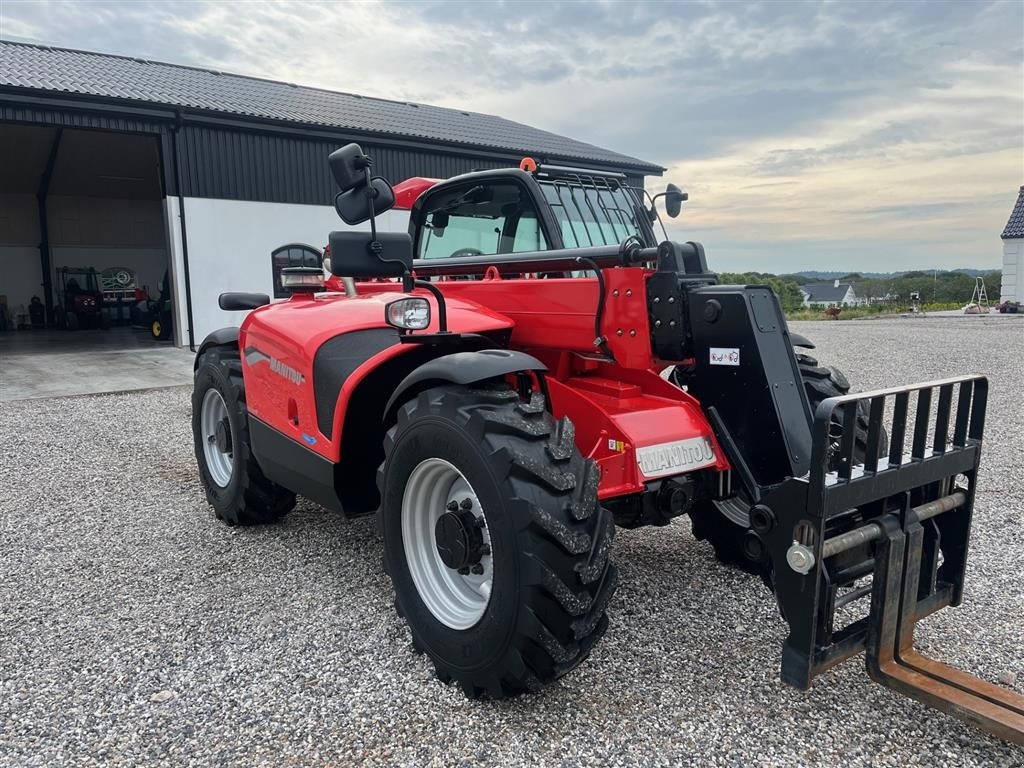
79, 299
529, 367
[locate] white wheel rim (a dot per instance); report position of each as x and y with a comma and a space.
218, 463
456, 600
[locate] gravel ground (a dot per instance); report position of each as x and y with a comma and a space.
136, 629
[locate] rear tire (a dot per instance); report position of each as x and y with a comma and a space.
722, 524
551, 575
234, 483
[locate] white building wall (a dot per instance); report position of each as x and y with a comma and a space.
1013, 270
229, 247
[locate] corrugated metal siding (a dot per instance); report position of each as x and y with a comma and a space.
237, 165
229, 164
74, 119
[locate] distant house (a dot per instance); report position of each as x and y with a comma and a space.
834, 294
1013, 253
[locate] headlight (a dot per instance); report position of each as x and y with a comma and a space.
410, 314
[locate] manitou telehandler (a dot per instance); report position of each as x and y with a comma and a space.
528, 367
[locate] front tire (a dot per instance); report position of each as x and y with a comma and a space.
235, 485
546, 557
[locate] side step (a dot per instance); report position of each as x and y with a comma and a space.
893, 662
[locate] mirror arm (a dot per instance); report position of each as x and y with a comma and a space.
442, 309
374, 244
652, 214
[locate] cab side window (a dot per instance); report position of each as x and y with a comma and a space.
480, 219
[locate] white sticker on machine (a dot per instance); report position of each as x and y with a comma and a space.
675, 458
725, 356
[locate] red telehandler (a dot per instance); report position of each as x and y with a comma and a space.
530, 366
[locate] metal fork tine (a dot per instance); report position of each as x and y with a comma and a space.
921, 419
874, 433
978, 406
847, 441
899, 428
942, 418
963, 411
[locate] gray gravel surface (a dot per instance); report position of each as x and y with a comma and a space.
135, 629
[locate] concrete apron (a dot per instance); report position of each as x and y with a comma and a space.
62, 371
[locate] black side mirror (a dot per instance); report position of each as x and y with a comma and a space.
674, 199
351, 169
354, 206
439, 219
349, 164
351, 255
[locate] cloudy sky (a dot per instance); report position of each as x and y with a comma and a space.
867, 136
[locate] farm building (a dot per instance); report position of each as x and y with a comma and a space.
139, 169
1013, 253
834, 294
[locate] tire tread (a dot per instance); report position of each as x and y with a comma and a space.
563, 542
260, 500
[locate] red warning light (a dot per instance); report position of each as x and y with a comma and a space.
528, 164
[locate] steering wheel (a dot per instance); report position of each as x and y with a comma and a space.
466, 252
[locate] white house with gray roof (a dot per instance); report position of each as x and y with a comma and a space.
1013, 253
834, 294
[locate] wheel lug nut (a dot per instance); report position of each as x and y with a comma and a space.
464, 571
485, 549
453, 506
481, 523
478, 569
467, 503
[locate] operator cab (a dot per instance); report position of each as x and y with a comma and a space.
527, 210
476, 219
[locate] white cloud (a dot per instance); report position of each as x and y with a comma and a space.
867, 134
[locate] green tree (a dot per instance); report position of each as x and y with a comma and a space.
788, 290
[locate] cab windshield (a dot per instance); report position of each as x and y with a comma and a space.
596, 211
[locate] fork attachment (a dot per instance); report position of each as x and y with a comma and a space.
894, 529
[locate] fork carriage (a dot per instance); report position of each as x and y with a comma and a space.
899, 522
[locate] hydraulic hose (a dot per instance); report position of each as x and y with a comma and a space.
600, 341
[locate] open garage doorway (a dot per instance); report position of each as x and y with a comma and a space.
83, 241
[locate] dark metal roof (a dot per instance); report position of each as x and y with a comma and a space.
1015, 224
45, 68
825, 291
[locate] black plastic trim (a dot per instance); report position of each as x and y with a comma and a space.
466, 368
235, 301
293, 465
220, 337
335, 360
